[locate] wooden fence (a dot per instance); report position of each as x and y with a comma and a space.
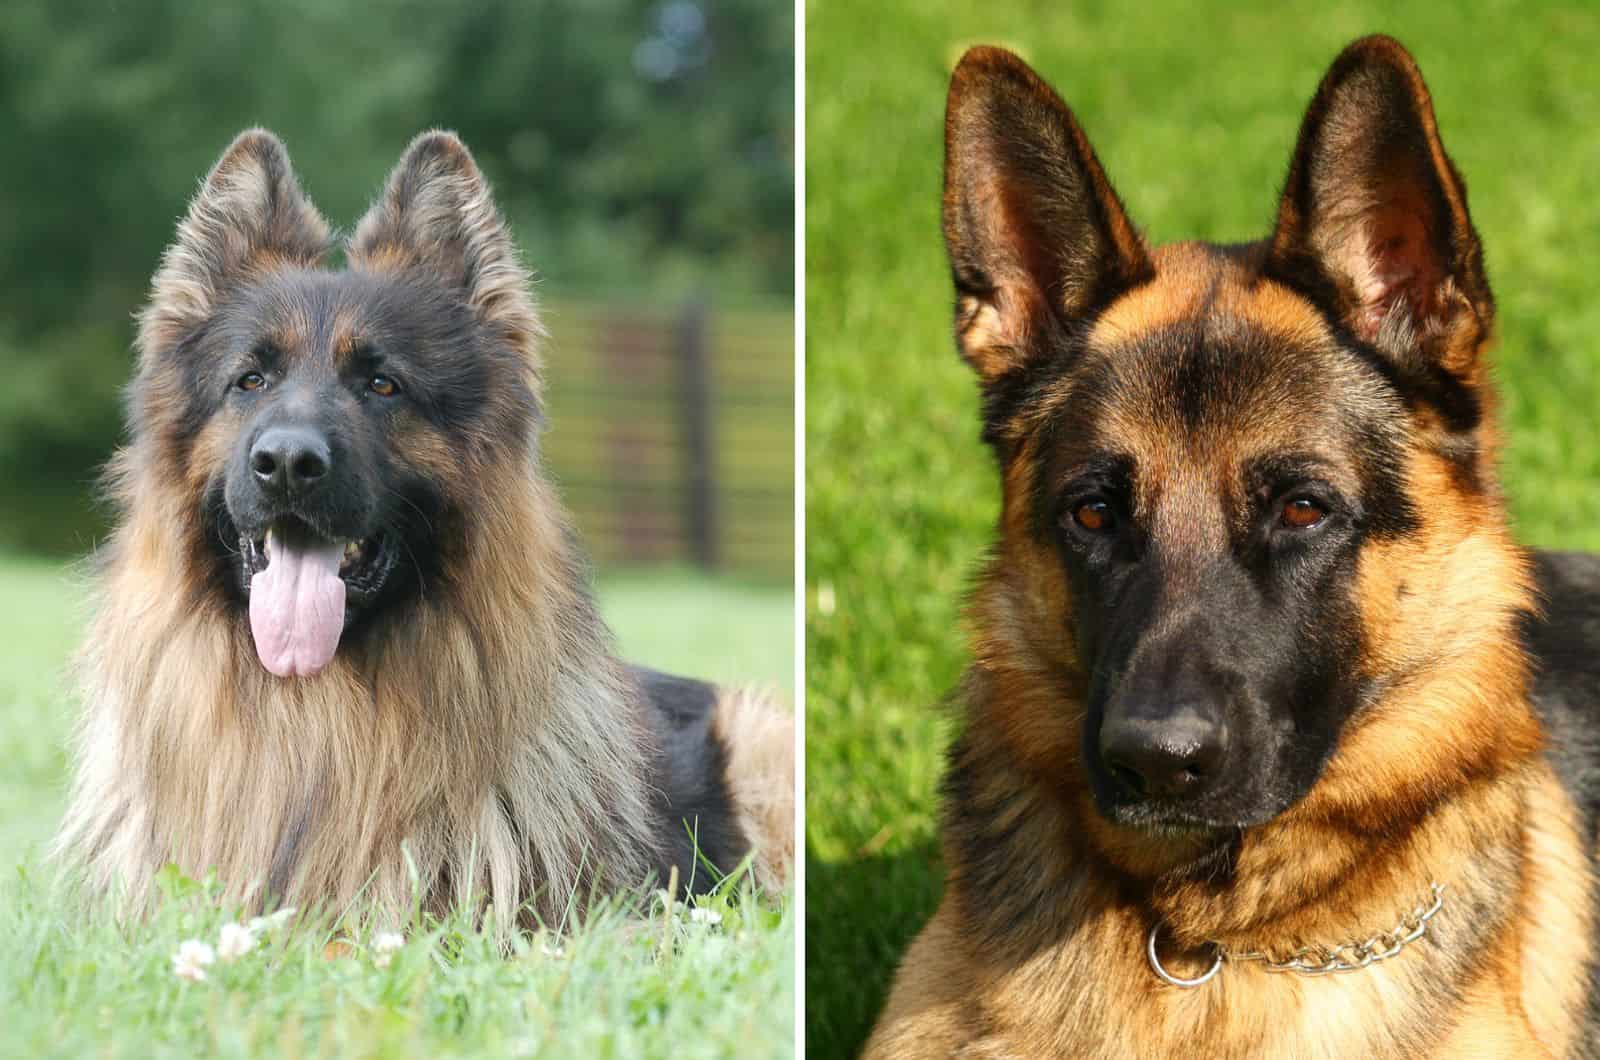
672, 433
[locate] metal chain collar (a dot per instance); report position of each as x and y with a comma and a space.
1317, 960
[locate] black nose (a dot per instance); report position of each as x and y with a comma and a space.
1169, 757
290, 460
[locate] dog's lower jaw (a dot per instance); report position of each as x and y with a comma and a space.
1156, 851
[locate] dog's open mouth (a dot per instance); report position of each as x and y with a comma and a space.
303, 589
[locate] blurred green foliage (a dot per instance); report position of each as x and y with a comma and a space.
641, 149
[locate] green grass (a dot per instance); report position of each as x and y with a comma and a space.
633, 982
1193, 115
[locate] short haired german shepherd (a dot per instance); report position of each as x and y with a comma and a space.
1267, 751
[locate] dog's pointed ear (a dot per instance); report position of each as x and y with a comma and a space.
437, 214
249, 216
1374, 215
1037, 238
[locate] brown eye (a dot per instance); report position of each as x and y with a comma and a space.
1094, 516
1302, 514
251, 381
383, 386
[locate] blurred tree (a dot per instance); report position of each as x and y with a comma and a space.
640, 148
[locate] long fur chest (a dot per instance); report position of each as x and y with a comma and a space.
446, 764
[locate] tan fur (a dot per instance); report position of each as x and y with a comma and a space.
760, 771
927, 1010
1558, 931
489, 750
1185, 272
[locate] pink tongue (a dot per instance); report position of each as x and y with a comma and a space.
297, 608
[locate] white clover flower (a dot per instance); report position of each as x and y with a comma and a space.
258, 924
191, 959
236, 941
705, 916
384, 943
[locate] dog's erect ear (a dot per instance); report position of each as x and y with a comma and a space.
437, 214
1035, 233
249, 216
1374, 215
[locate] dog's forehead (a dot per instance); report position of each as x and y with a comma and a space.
318, 314
1211, 365
1220, 286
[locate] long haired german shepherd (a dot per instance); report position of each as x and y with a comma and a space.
1266, 752
343, 644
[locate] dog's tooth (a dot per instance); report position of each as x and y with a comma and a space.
266, 545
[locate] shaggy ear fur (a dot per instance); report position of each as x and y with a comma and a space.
437, 214
249, 216
1035, 233
1374, 215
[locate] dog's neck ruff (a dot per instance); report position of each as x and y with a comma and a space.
1313, 960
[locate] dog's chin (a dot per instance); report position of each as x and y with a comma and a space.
1147, 840
1159, 822
1153, 838
1219, 811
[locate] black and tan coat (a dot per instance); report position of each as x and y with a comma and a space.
473, 735
1256, 660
